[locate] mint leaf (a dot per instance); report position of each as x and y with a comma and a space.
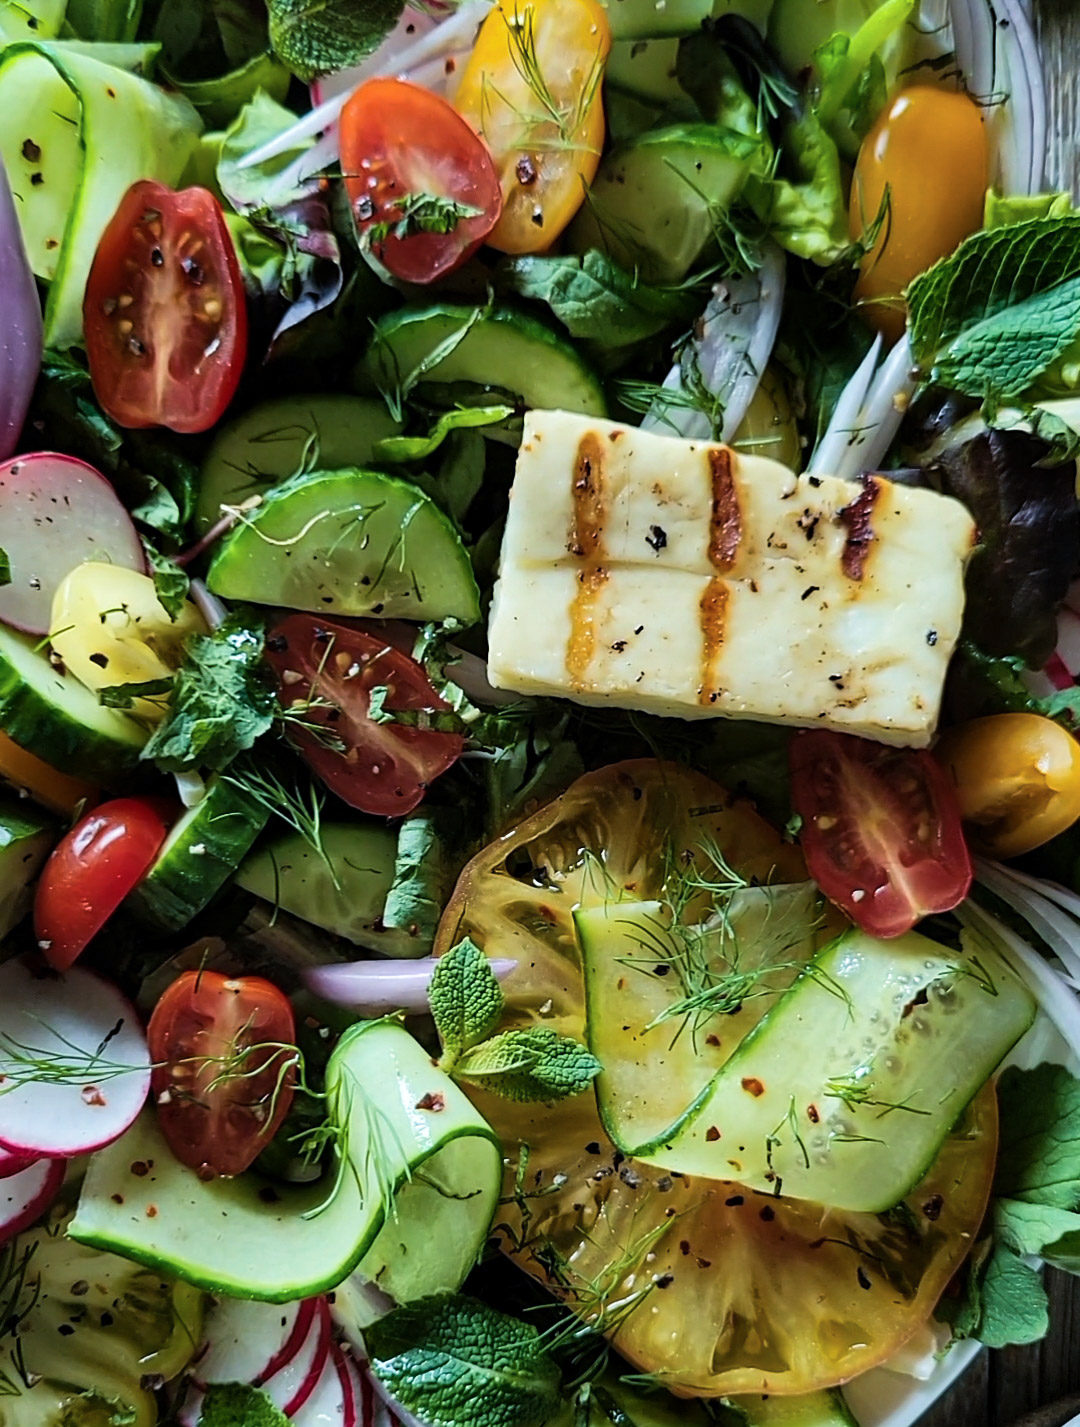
533, 1064
236, 1404
221, 702
5, 568
1014, 1303
394, 449
1004, 353
594, 298
422, 877
454, 1362
465, 998
313, 37
123, 696
991, 272
171, 583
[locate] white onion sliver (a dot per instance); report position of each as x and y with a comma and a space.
1049, 988
1053, 891
1060, 932
881, 413
190, 788
377, 988
829, 452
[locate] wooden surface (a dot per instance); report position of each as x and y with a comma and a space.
1001, 1388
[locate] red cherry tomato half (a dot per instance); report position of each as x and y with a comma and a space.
92, 869
326, 672
398, 141
164, 311
224, 1057
881, 830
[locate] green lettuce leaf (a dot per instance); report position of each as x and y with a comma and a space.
1000, 210
807, 212
313, 37
423, 875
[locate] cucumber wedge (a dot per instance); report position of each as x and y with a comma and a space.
74, 135
656, 202
842, 1093
349, 542
269, 443
502, 351
25, 839
349, 901
200, 854
40, 20
250, 1239
815, 1409
645, 69
52, 715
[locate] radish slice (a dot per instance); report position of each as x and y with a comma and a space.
247, 1342
371, 1410
24, 1197
190, 1408
326, 1405
74, 1064
15, 1163
295, 1381
55, 513
348, 1387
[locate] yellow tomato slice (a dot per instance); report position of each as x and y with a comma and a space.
714, 1288
110, 628
45, 784
1017, 776
923, 171
531, 89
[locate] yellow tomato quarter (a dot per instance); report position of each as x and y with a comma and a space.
531, 89
110, 628
928, 155
1017, 776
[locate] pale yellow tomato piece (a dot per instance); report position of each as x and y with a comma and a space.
109, 628
927, 154
1017, 778
531, 89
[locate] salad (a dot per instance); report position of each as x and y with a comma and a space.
539, 635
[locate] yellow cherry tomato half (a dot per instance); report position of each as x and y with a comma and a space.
1018, 780
928, 152
531, 89
57, 791
110, 628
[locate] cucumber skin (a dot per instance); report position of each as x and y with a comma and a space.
182, 882
29, 720
25, 841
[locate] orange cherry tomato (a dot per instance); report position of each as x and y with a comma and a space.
531, 88
928, 152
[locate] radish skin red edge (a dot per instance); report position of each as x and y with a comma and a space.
25, 1196
74, 1063
57, 512
248, 1341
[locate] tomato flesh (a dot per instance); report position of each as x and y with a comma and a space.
223, 1050
164, 311
327, 671
881, 830
400, 140
92, 869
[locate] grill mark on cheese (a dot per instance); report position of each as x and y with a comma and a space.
713, 606
725, 535
725, 519
589, 495
857, 519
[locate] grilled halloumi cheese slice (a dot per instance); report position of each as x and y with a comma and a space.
685, 579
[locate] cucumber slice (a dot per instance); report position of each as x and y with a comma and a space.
40, 21
347, 900
52, 715
844, 1090
645, 69
25, 839
655, 202
74, 135
349, 542
251, 1239
815, 1409
500, 351
268, 444
648, 19
200, 854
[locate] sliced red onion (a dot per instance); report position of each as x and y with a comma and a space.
998, 55
878, 418
208, 605
1068, 639
20, 335
843, 424
452, 35
376, 988
737, 335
